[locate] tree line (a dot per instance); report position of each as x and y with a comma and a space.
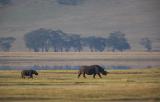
6, 43
58, 41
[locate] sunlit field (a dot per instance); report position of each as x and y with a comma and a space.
133, 85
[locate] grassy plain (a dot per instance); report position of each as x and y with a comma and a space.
78, 58
133, 85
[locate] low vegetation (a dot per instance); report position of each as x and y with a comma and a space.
140, 85
78, 58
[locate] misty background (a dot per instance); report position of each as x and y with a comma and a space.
137, 19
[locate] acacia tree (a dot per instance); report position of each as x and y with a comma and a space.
56, 40
94, 43
100, 44
37, 40
43, 39
89, 42
61, 41
117, 41
147, 43
67, 43
75, 42
6, 43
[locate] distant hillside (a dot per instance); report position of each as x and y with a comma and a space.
136, 18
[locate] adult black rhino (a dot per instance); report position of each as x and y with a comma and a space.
28, 73
92, 70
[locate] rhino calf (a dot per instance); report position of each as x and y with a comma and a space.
92, 70
28, 73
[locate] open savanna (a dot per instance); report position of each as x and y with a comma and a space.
133, 85
77, 58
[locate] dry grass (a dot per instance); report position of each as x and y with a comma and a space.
78, 54
77, 58
63, 86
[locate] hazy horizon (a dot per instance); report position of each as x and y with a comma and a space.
136, 18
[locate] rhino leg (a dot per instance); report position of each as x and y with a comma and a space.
94, 75
99, 75
22, 75
32, 77
79, 74
84, 75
